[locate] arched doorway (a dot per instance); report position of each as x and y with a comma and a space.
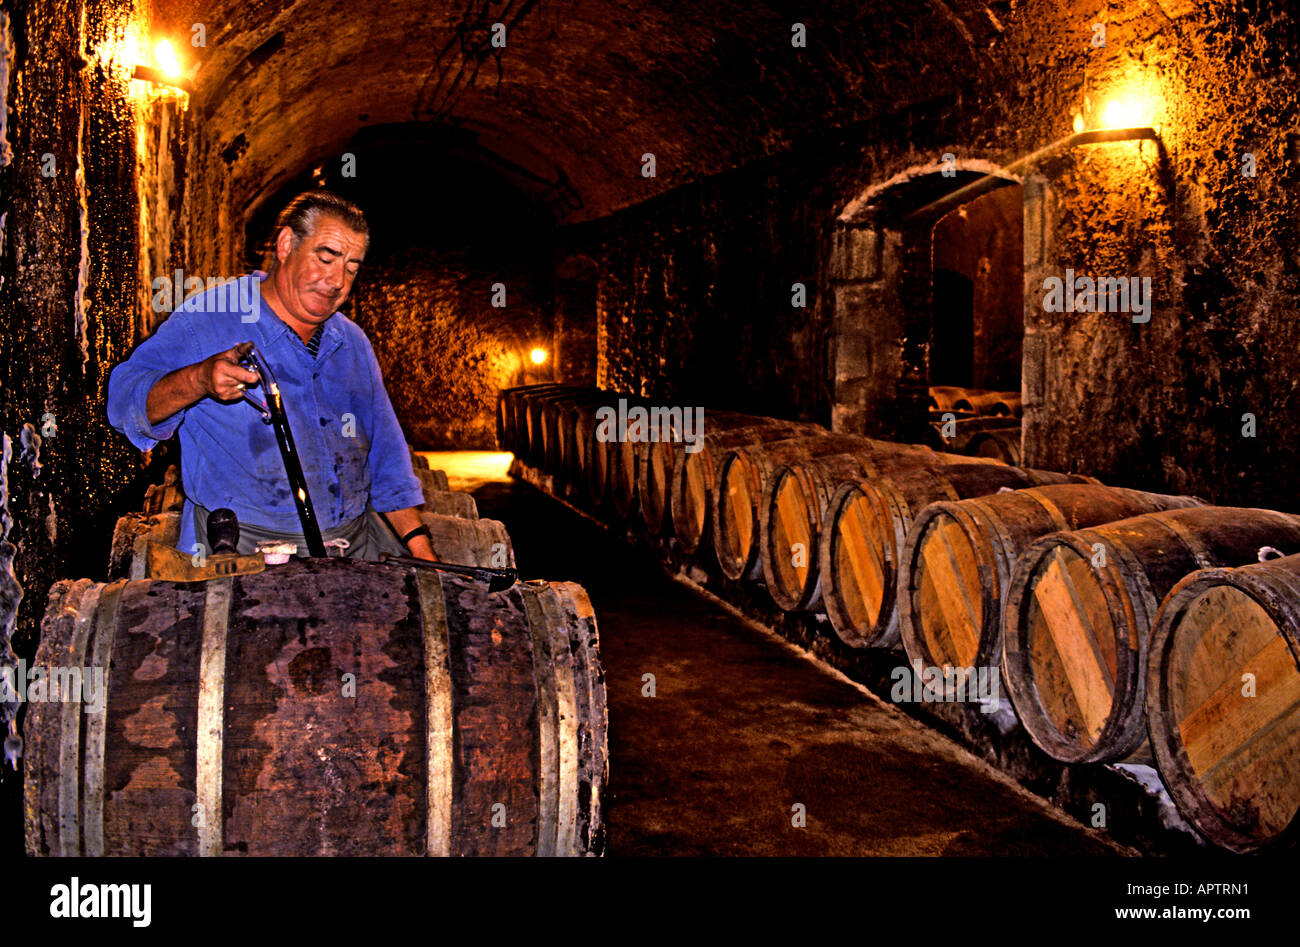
883, 270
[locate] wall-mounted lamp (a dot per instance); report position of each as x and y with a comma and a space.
1123, 118
168, 71
538, 356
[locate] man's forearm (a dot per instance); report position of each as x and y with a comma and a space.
173, 392
403, 521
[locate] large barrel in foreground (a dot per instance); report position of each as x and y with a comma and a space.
1223, 702
866, 526
322, 707
1079, 612
957, 561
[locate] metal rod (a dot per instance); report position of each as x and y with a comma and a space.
279, 421
497, 579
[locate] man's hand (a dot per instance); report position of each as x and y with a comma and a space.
219, 376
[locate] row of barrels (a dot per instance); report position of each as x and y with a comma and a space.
458, 534
1121, 621
319, 707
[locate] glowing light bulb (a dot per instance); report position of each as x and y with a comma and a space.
165, 57
1125, 113
538, 356
1078, 122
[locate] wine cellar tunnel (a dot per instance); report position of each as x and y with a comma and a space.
832, 231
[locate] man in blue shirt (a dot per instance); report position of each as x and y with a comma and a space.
187, 376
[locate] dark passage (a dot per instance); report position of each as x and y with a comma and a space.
742, 729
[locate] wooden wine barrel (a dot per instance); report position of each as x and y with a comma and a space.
577, 421
1223, 702
552, 410
693, 478
1002, 444
742, 478
947, 397
322, 707
656, 461
1079, 611
418, 461
867, 524
514, 414
984, 402
605, 449
470, 542
534, 408
432, 481
791, 514
958, 557
451, 503
127, 557
1008, 404
954, 435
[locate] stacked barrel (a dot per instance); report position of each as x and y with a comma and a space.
1126, 625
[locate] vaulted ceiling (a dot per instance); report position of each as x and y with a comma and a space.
581, 90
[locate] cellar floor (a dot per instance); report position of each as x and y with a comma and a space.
745, 737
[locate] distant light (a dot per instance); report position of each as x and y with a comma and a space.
1125, 113
1078, 122
165, 59
538, 356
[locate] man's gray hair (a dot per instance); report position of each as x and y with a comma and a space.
302, 213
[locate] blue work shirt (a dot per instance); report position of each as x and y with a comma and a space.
350, 444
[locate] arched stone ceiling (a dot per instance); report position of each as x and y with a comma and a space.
586, 88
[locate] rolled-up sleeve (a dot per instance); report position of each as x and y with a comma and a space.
393, 484
173, 346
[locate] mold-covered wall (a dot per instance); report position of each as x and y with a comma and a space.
77, 131
695, 285
445, 350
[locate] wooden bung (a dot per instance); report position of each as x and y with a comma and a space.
693, 477
957, 560
868, 521
1223, 702
1079, 611
322, 707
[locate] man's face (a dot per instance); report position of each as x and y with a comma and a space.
316, 276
